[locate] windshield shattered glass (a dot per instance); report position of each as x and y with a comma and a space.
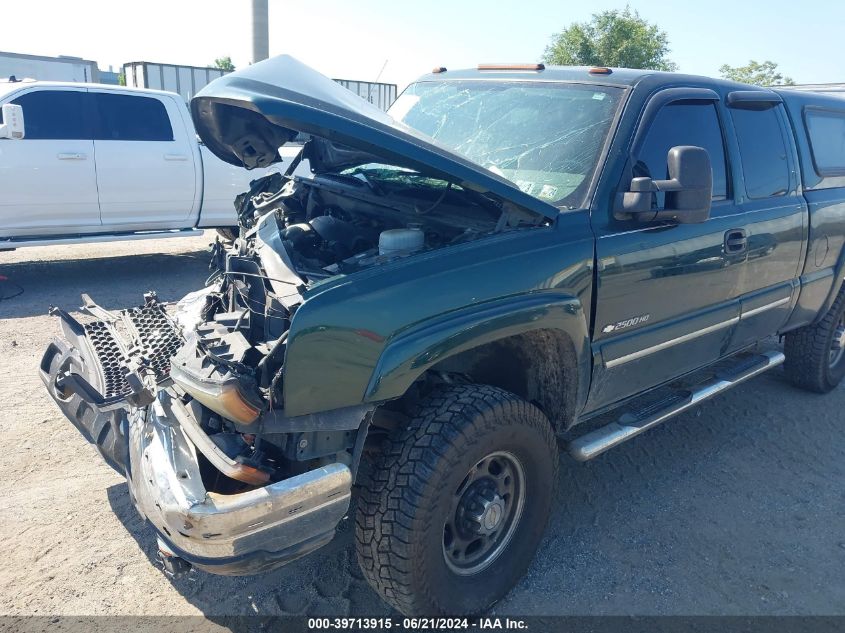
544, 137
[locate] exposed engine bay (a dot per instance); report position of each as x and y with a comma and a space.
370, 215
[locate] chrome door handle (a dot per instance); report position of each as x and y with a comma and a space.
71, 156
175, 157
736, 241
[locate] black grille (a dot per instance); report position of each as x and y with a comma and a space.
110, 356
141, 333
157, 340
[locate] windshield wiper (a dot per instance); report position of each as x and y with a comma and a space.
375, 188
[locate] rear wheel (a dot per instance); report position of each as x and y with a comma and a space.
815, 355
450, 515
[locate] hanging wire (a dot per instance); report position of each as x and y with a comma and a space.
281, 281
283, 314
4, 282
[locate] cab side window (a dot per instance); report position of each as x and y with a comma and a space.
121, 117
54, 114
762, 150
684, 123
826, 129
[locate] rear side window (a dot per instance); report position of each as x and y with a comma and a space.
120, 117
826, 129
54, 114
684, 123
762, 151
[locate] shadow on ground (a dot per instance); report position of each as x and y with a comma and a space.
324, 583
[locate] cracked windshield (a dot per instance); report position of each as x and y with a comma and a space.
545, 138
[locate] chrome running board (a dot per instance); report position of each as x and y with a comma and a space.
632, 423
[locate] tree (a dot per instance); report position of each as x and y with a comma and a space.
224, 63
611, 38
764, 74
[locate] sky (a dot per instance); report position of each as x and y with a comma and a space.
357, 39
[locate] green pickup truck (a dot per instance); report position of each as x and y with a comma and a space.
430, 302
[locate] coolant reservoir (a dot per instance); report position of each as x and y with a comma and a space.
396, 241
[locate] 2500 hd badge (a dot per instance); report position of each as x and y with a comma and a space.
621, 325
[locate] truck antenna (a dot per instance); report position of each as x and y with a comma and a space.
370, 92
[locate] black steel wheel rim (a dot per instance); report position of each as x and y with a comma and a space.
484, 512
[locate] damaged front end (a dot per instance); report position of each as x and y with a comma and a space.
173, 404
239, 415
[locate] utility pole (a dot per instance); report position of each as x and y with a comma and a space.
260, 31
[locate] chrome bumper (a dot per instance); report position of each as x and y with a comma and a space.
227, 534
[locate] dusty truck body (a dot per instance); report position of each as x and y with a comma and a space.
458, 285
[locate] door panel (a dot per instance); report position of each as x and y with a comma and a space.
819, 130
146, 172
774, 218
49, 179
680, 281
639, 359
769, 277
667, 294
763, 313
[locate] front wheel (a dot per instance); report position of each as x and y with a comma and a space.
449, 517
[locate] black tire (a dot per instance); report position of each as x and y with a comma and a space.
810, 362
229, 234
407, 494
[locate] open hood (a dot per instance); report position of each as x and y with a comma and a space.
245, 116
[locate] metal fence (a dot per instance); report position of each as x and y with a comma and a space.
185, 80
380, 95
189, 80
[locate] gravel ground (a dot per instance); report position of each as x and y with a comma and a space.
733, 508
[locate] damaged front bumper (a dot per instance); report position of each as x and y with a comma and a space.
241, 533
144, 431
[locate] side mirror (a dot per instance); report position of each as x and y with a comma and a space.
689, 189
12, 126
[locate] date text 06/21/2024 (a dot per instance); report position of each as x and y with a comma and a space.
415, 624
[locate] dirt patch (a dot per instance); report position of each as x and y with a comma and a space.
736, 507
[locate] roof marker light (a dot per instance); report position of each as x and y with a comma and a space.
439, 69
600, 70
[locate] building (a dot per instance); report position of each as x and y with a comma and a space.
61, 68
184, 80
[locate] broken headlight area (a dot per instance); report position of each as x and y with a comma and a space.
217, 356
212, 373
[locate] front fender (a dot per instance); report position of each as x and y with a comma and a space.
440, 302
411, 352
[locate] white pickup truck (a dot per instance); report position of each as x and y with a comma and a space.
91, 162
